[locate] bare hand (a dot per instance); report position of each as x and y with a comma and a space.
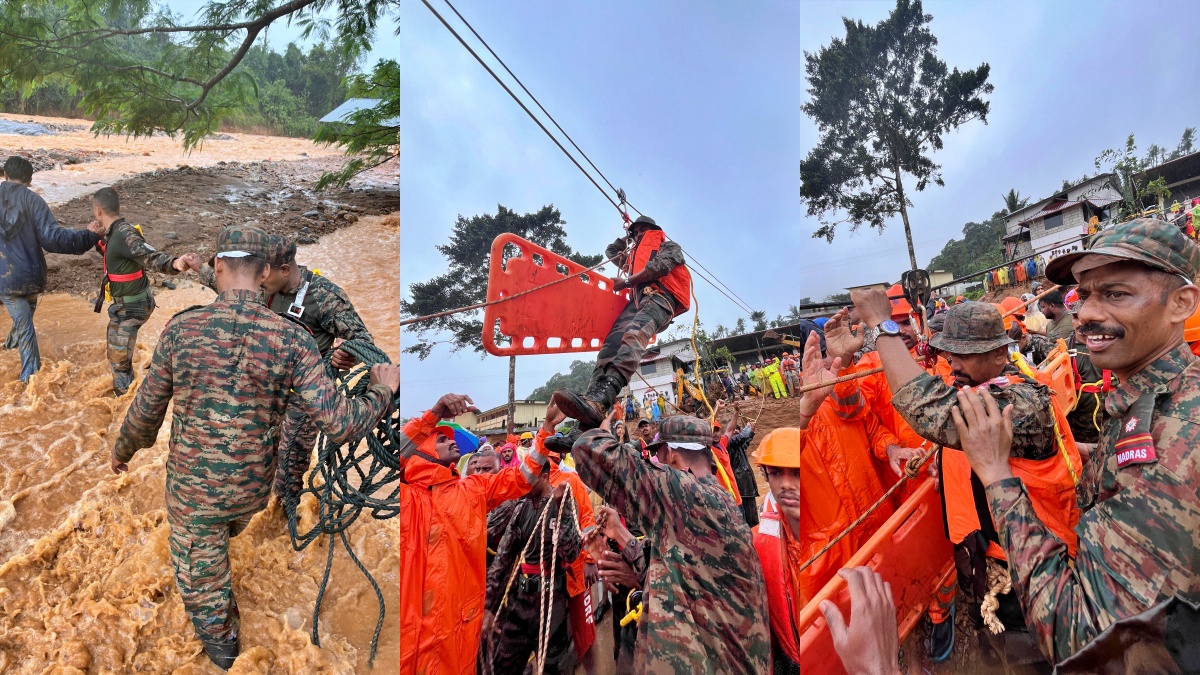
386, 373
450, 405
613, 528
614, 571
118, 467
187, 261
95, 228
591, 574
815, 371
869, 645
342, 360
873, 306
985, 433
898, 457
617, 413
620, 283
839, 341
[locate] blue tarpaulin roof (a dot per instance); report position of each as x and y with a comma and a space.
343, 111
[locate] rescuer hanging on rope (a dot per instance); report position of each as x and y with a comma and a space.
661, 290
231, 368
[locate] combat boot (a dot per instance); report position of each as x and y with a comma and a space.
562, 444
223, 654
591, 408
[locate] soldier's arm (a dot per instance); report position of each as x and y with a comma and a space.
149, 406
621, 477
512, 482
616, 252
668, 257
1048, 585
339, 318
338, 417
145, 254
208, 276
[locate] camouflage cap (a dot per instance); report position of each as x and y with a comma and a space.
281, 250
971, 328
1152, 242
682, 431
937, 323
238, 241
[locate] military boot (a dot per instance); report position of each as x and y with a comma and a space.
223, 654
591, 408
562, 444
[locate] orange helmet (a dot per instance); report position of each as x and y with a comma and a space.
1191, 328
1008, 320
781, 447
900, 306
1010, 304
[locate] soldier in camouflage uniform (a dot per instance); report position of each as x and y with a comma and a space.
1139, 534
126, 258
977, 346
705, 605
661, 290
231, 368
326, 311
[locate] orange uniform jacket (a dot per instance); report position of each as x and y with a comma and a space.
443, 554
838, 472
771, 540
878, 396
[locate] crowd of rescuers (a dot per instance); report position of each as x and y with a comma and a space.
268, 310
1104, 564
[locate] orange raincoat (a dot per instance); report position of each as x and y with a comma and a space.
443, 554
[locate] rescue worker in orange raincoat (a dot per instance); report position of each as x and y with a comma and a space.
661, 290
777, 541
878, 397
443, 552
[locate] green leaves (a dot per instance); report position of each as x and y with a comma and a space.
882, 101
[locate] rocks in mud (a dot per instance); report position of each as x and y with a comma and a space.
172, 236
46, 160
312, 214
306, 239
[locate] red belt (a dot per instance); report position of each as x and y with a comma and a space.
531, 570
122, 278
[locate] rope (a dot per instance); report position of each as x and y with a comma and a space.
911, 468
346, 487
999, 583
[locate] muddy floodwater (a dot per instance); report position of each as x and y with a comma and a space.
86, 585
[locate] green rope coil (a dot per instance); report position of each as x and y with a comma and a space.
362, 474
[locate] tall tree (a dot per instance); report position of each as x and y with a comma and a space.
1013, 201
760, 320
882, 101
576, 379
464, 283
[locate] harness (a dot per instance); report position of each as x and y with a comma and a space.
105, 294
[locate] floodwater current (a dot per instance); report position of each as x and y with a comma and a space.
86, 585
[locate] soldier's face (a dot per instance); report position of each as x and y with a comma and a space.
785, 486
1129, 315
972, 370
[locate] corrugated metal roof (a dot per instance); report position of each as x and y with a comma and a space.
343, 111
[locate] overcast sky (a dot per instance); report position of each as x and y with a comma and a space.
694, 109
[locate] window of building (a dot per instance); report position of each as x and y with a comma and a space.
649, 368
1053, 222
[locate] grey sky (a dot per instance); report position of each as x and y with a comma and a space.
694, 109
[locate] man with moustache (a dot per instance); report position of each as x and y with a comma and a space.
976, 345
1139, 534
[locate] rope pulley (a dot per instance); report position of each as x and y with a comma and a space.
916, 287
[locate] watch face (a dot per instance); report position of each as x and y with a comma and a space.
890, 327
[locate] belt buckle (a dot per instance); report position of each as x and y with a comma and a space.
295, 311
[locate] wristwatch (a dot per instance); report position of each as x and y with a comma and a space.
887, 327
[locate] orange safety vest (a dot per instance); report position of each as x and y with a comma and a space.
783, 606
1049, 482
677, 282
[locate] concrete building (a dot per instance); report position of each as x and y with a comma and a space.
1054, 225
658, 367
528, 417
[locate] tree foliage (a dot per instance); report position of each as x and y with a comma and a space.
1129, 168
370, 135
137, 68
1013, 201
882, 101
468, 256
980, 247
576, 379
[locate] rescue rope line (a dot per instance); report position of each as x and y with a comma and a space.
911, 468
351, 477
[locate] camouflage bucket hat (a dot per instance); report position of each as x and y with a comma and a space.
239, 241
1152, 242
971, 328
281, 250
684, 431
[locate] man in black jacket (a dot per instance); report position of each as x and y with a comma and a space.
26, 229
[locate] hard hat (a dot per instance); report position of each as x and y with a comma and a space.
900, 306
1191, 327
959, 300
1011, 304
1007, 319
781, 448
527, 436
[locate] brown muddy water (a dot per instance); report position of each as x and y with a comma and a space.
86, 585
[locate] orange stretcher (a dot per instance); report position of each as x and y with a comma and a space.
572, 316
910, 551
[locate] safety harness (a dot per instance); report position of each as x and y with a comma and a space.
105, 295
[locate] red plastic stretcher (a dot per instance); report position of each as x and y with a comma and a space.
572, 316
910, 551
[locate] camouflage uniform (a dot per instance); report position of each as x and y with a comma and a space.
329, 315
518, 620
705, 605
1139, 532
1037, 348
231, 368
126, 252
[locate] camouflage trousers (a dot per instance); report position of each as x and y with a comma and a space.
200, 556
296, 443
626, 343
124, 321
